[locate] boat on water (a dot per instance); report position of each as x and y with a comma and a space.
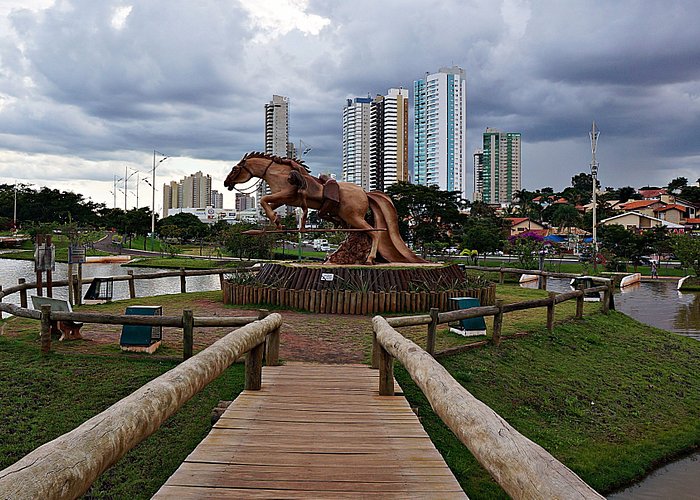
630, 279
527, 278
587, 282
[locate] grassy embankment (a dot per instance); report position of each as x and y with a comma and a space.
608, 396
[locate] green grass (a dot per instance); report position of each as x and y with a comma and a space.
608, 396
184, 262
46, 396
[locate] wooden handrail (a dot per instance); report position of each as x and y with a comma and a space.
521, 467
68, 465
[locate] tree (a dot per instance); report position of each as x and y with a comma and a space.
687, 250
245, 246
526, 246
691, 194
584, 182
484, 234
566, 216
189, 224
677, 184
427, 215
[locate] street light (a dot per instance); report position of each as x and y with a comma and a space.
126, 183
153, 199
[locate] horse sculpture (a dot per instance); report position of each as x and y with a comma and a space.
291, 184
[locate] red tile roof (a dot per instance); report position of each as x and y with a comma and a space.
680, 208
652, 193
514, 221
633, 205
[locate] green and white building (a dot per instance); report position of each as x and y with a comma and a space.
497, 173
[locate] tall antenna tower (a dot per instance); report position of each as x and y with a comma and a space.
594, 134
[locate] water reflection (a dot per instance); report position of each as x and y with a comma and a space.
657, 303
12, 270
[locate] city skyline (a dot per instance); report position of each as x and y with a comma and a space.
87, 88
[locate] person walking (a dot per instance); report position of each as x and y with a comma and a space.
654, 272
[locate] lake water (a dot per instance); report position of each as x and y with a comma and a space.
660, 304
11, 270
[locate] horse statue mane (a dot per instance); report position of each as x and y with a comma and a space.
295, 163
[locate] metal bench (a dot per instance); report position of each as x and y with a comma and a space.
69, 330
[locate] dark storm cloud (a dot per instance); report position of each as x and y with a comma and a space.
109, 79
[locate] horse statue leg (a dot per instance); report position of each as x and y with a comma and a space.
267, 205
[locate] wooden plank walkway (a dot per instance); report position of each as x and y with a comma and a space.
315, 431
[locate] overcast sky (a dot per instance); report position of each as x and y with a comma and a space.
90, 88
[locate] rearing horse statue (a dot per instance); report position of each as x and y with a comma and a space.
291, 184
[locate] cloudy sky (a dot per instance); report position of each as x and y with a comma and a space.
88, 89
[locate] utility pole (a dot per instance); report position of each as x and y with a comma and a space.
594, 133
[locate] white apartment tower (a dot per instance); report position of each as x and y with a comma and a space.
388, 152
356, 131
440, 125
277, 125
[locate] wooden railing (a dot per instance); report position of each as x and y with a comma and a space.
68, 465
521, 467
434, 318
513, 270
75, 284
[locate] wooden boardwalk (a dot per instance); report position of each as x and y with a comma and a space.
315, 431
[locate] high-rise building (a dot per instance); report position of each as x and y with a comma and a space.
276, 136
500, 166
388, 151
193, 191
277, 125
356, 130
440, 124
478, 175
217, 199
244, 202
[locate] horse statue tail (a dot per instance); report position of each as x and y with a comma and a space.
391, 246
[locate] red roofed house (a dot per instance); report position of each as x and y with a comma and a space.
650, 194
671, 213
520, 225
646, 207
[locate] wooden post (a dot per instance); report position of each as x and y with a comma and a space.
272, 342
386, 373
550, 312
579, 302
611, 290
49, 274
253, 368
187, 334
375, 351
183, 281
22, 293
79, 286
71, 291
500, 275
132, 285
605, 305
45, 329
221, 280
543, 281
498, 323
432, 330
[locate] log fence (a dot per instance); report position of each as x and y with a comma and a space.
68, 465
521, 467
498, 311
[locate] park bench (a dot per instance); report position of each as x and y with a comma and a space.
69, 330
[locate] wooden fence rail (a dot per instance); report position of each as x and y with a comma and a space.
68, 465
497, 311
521, 467
131, 278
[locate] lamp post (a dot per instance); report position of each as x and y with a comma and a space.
126, 184
153, 198
594, 133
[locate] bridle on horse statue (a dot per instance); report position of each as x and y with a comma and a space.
254, 187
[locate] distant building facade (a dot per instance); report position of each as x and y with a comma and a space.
356, 133
244, 202
217, 199
439, 128
276, 135
193, 191
388, 140
500, 167
478, 194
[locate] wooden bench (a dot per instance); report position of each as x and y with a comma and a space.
69, 330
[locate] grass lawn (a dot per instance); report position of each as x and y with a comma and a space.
43, 397
609, 397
